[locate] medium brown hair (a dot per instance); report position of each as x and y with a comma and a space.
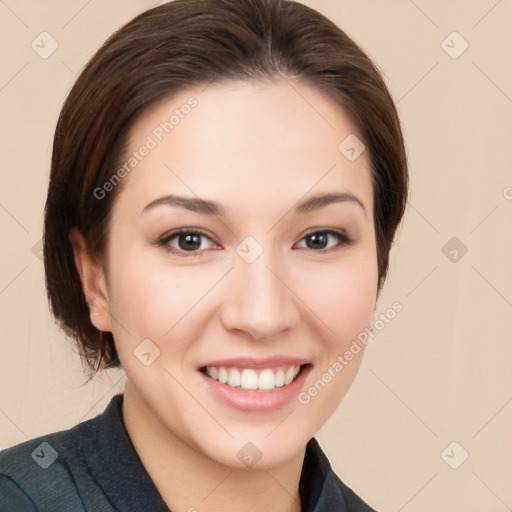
170, 48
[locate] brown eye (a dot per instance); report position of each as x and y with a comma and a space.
189, 242
320, 240
186, 241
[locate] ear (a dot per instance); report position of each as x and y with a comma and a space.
93, 282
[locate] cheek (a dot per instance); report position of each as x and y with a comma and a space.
152, 300
343, 296
343, 300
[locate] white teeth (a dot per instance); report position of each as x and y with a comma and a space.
288, 376
266, 380
223, 375
234, 377
250, 379
279, 378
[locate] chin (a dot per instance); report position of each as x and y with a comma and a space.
258, 452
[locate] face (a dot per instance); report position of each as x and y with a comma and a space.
241, 246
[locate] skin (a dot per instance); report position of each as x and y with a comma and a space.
258, 149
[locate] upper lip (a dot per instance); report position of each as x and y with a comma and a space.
251, 362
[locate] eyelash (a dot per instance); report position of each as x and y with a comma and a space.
343, 240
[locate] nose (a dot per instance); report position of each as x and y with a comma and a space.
258, 299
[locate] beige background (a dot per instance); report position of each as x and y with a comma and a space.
440, 371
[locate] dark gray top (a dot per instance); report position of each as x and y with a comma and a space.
94, 467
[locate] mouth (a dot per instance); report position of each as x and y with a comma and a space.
255, 379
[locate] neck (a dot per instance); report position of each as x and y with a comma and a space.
189, 481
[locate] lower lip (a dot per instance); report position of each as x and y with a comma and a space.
257, 401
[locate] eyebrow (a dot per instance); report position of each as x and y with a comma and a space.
320, 200
209, 207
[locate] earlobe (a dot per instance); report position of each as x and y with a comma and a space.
93, 282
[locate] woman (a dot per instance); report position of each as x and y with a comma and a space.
227, 180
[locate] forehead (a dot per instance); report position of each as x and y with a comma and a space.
252, 142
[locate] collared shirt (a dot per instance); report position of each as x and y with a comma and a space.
94, 467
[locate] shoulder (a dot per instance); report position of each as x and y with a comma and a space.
50, 471
13, 497
38, 473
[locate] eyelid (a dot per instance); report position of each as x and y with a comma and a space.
340, 232
164, 240
343, 238
341, 235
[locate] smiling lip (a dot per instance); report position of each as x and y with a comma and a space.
256, 400
257, 364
